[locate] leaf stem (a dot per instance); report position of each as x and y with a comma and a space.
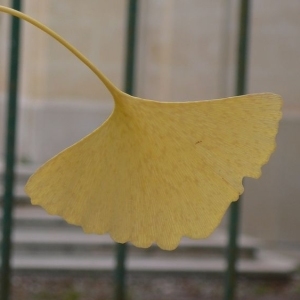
109, 85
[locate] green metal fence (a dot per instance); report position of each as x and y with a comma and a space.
10, 152
120, 271
241, 79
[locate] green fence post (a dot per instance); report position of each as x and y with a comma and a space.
10, 153
120, 271
241, 79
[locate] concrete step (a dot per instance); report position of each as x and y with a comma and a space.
37, 232
73, 242
267, 265
20, 196
44, 243
22, 174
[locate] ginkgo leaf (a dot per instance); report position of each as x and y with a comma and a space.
157, 171
154, 172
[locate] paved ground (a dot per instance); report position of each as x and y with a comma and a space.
146, 287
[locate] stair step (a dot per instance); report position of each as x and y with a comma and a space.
19, 194
72, 242
270, 267
37, 232
29, 217
45, 243
22, 174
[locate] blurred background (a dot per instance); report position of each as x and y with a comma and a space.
186, 50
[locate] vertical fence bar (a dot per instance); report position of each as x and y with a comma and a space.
241, 80
10, 153
120, 272
230, 280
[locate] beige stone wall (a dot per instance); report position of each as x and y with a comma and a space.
180, 49
180, 52
96, 28
274, 53
186, 51
271, 205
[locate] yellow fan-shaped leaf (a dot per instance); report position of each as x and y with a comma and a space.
154, 172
